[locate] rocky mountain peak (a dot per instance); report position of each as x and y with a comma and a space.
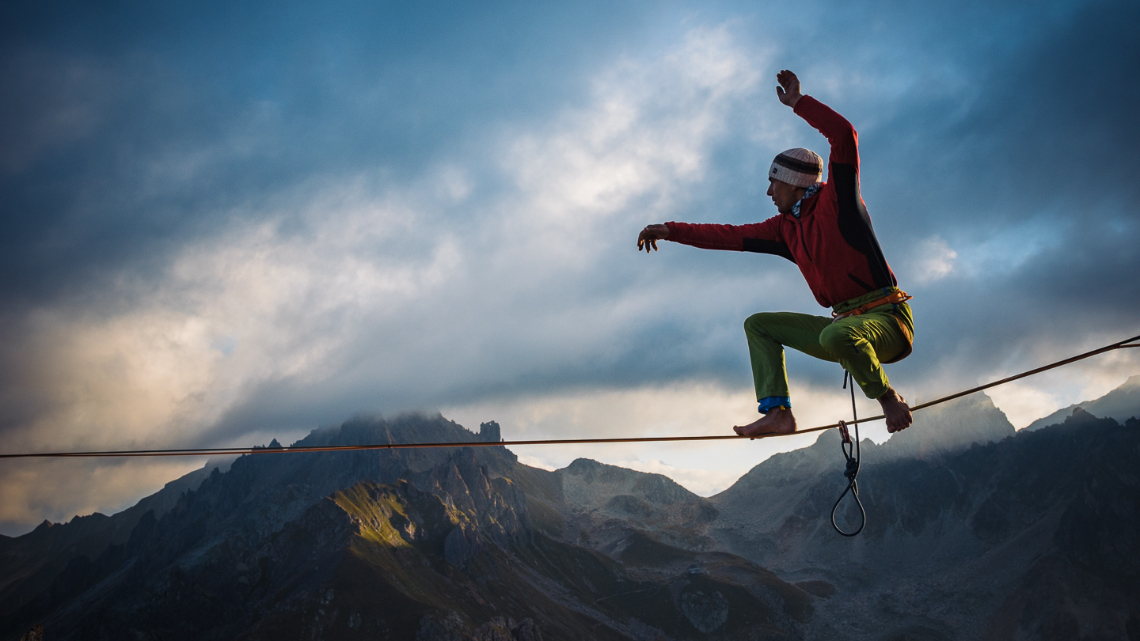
490, 432
589, 484
1121, 404
274, 529
949, 428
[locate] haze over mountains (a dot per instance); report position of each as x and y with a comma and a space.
1120, 404
974, 531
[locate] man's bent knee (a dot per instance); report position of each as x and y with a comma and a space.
756, 323
837, 340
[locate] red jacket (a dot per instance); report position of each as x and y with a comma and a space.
832, 241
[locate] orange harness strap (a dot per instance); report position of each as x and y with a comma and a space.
896, 297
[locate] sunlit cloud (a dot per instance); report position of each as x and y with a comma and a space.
933, 260
700, 481
35, 490
682, 409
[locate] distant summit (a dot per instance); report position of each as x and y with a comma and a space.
1121, 404
949, 428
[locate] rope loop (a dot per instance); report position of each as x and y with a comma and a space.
852, 454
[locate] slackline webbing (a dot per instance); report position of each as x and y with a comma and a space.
223, 451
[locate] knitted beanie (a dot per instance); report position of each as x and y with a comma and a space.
800, 167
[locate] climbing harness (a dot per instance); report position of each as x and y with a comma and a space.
852, 469
894, 298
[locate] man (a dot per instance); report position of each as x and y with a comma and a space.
825, 230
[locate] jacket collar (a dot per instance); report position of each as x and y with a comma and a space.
811, 191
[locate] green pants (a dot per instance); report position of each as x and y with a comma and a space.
858, 343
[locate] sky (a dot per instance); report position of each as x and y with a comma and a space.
224, 223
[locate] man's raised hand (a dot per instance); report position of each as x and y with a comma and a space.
650, 235
789, 90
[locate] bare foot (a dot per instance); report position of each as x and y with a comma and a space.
896, 411
777, 421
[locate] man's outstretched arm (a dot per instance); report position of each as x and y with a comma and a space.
763, 238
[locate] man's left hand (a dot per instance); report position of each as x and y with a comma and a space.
649, 236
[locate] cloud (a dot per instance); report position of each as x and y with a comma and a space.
933, 260
56, 490
704, 482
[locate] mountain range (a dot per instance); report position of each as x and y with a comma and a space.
974, 531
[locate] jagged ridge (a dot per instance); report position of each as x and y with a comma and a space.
425, 544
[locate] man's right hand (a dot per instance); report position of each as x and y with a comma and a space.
650, 235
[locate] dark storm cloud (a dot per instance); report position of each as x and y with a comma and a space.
1047, 147
126, 130
1046, 130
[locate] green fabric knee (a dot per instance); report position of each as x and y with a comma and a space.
858, 343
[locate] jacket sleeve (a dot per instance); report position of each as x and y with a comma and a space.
840, 134
764, 238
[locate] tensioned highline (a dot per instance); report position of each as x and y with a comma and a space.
575, 441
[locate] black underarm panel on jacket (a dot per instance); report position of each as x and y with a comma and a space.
855, 223
858, 281
768, 247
